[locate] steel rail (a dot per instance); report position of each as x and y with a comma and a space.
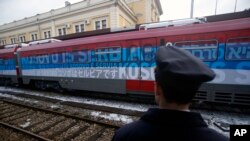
64, 114
40, 138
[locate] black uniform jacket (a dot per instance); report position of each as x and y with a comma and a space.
168, 125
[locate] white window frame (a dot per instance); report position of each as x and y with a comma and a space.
80, 28
3, 42
13, 40
22, 38
47, 34
62, 32
34, 36
101, 23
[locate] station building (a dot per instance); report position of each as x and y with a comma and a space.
86, 15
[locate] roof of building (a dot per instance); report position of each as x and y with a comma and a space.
168, 31
228, 16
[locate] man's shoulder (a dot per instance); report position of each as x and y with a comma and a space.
209, 134
140, 130
131, 131
132, 126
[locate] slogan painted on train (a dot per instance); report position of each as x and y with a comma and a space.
100, 55
145, 73
139, 63
238, 51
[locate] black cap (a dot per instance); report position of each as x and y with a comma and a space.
180, 69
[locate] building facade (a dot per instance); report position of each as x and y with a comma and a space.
83, 16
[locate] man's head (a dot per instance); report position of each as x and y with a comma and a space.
179, 74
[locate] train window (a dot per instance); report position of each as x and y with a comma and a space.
69, 58
43, 59
83, 56
149, 53
62, 58
8, 62
55, 58
5, 62
206, 50
134, 53
238, 49
112, 54
2, 67
38, 59
1, 61
27, 60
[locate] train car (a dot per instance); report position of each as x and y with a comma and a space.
123, 63
9, 71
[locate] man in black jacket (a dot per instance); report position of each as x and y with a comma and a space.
178, 76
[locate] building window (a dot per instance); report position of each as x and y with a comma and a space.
3, 42
61, 31
104, 24
47, 34
97, 25
79, 28
101, 24
34, 36
22, 39
13, 40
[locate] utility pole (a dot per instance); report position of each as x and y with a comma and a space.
235, 6
192, 9
216, 7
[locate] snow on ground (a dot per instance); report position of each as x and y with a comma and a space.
16, 98
24, 125
113, 117
123, 105
224, 119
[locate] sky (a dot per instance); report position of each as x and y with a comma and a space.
11, 10
178, 9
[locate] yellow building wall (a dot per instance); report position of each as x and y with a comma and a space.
155, 16
60, 23
75, 20
143, 10
138, 7
123, 22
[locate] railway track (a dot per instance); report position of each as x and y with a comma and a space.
217, 117
195, 105
77, 104
47, 124
8, 132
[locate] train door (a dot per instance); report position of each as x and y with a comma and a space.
131, 66
17, 62
148, 49
140, 59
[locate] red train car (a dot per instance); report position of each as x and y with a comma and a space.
123, 63
9, 68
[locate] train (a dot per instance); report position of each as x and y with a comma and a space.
123, 63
